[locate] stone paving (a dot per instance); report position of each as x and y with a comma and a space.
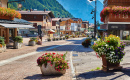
26, 68
86, 64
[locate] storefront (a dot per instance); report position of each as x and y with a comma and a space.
8, 28
121, 29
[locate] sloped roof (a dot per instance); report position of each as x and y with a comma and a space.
56, 19
38, 12
64, 19
15, 21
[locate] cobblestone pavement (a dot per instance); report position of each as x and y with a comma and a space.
26, 67
86, 63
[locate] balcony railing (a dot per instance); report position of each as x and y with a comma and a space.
117, 18
116, 2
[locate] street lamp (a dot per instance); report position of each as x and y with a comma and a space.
19, 5
94, 17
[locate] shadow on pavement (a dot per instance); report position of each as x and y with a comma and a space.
40, 76
80, 48
100, 74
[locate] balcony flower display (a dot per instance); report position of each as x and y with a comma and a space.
52, 63
7, 13
111, 50
115, 10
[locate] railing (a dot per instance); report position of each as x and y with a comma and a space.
117, 18
116, 2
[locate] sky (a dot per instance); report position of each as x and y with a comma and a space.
99, 0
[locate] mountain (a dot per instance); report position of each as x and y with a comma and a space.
82, 8
51, 5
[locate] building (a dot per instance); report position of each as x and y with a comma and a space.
3, 3
65, 26
76, 26
85, 26
9, 25
117, 19
43, 18
56, 26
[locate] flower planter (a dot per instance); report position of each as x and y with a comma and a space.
17, 45
6, 17
107, 65
4, 48
50, 70
32, 43
39, 42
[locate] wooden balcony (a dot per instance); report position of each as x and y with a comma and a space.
114, 18
116, 3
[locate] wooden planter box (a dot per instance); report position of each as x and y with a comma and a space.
6, 17
17, 45
107, 65
32, 43
50, 70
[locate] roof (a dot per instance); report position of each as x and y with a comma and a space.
56, 19
64, 19
38, 12
7, 25
15, 21
85, 22
117, 23
76, 19
34, 12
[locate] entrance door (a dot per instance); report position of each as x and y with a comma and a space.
11, 34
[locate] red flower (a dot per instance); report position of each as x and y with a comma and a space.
54, 53
108, 41
45, 53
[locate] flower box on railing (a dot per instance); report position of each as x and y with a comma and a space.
9, 14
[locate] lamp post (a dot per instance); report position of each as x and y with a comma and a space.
19, 5
95, 18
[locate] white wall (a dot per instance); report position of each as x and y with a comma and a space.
74, 27
62, 27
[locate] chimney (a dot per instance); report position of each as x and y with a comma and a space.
44, 10
31, 10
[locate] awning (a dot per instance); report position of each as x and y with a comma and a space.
51, 30
15, 25
116, 26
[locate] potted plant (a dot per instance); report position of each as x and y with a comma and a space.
48, 39
2, 44
66, 37
57, 39
52, 63
87, 42
63, 38
32, 41
54, 39
18, 40
111, 50
60, 38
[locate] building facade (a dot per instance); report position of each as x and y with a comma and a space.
43, 18
117, 23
